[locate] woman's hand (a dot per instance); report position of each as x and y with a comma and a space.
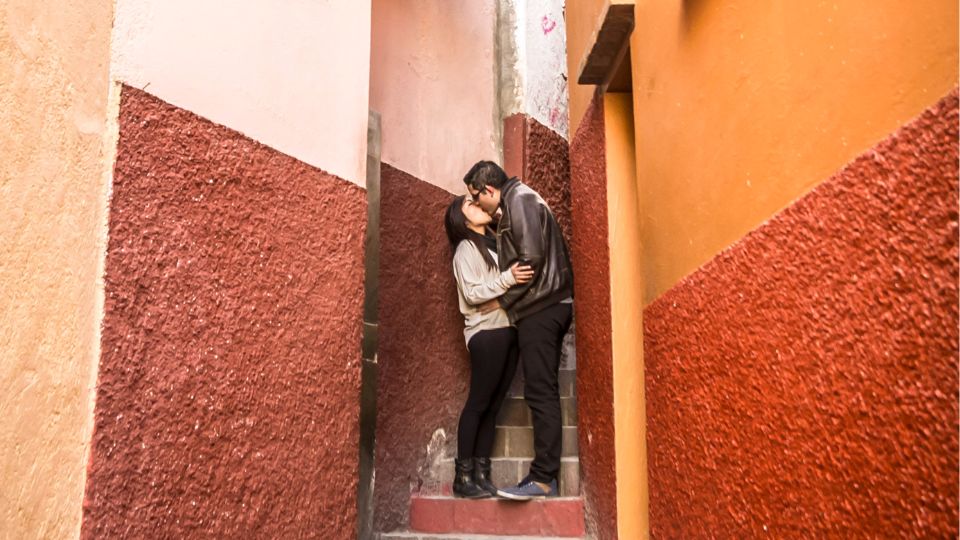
522, 274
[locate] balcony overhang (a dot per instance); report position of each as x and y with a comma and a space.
611, 42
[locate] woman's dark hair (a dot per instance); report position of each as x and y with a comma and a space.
485, 173
457, 231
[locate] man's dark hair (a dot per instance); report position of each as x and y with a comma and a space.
485, 173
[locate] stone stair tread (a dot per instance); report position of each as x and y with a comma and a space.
507, 471
460, 536
548, 500
558, 516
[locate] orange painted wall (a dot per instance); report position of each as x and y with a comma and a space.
742, 106
626, 317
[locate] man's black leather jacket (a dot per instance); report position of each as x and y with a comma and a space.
528, 231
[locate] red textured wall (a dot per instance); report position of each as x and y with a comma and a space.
591, 266
540, 158
227, 402
423, 361
804, 382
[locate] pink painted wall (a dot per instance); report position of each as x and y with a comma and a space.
433, 81
294, 76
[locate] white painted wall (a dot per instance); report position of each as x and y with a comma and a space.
534, 56
293, 75
541, 40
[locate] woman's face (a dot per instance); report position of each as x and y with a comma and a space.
474, 214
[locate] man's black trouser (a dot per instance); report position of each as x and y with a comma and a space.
541, 337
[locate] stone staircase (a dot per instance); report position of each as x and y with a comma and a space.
444, 517
513, 447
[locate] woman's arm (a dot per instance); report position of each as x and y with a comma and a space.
468, 269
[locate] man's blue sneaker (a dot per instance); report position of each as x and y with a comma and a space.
528, 490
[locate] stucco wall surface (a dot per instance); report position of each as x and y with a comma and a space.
433, 81
547, 170
423, 361
262, 68
228, 393
743, 106
540, 157
804, 382
591, 266
626, 316
54, 62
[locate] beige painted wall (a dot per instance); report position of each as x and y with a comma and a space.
54, 59
293, 75
742, 106
433, 81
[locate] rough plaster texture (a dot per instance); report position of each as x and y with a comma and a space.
541, 159
53, 192
433, 81
424, 366
228, 393
591, 265
258, 67
804, 382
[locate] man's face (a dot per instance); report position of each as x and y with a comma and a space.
488, 198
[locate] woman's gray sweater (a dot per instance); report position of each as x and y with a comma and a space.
477, 283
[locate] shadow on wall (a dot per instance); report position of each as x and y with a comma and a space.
693, 11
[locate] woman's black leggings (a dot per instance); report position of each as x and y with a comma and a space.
493, 362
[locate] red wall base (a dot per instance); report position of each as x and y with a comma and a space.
227, 401
804, 382
591, 266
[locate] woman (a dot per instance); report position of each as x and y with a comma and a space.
491, 340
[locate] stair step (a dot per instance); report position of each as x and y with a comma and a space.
567, 379
515, 412
517, 442
459, 536
509, 471
561, 516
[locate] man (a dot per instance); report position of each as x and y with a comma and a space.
541, 309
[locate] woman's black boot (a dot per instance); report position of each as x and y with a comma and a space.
481, 475
463, 484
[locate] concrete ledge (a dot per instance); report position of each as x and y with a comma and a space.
609, 45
